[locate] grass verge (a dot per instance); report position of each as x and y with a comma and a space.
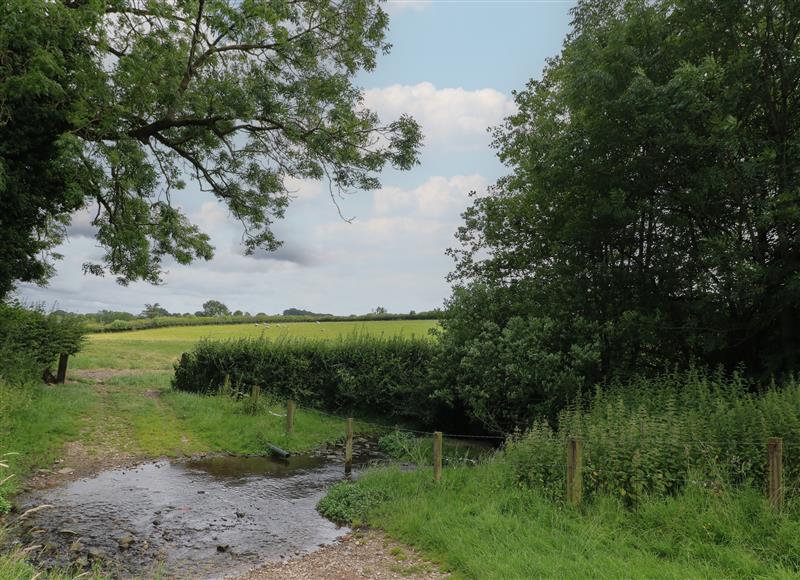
478, 524
35, 421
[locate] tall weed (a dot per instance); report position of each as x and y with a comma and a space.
653, 436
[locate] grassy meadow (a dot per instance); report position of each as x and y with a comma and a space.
158, 348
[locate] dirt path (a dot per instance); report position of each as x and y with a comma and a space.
363, 554
106, 442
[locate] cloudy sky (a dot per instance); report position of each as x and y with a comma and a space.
453, 66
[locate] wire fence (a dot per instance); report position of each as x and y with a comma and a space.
573, 468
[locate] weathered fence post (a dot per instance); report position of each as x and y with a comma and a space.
574, 470
348, 447
289, 417
775, 468
61, 377
437, 456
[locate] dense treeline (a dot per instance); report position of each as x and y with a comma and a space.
385, 377
31, 341
191, 320
649, 217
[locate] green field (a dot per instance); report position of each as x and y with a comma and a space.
158, 348
118, 400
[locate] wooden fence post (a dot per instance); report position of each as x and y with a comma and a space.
348, 447
574, 470
775, 468
289, 417
437, 456
61, 377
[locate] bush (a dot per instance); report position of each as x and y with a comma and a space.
507, 362
653, 436
31, 341
346, 503
387, 377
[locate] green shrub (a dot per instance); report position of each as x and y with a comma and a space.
387, 377
346, 503
507, 368
30, 341
397, 444
653, 436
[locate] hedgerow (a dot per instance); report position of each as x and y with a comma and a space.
386, 377
31, 341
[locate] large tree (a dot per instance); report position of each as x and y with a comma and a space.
116, 104
651, 212
215, 308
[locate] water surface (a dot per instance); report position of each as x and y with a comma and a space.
208, 517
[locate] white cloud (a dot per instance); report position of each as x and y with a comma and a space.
451, 117
438, 196
211, 216
303, 188
398, 6
81, 223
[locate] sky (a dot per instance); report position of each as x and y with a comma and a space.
453, 66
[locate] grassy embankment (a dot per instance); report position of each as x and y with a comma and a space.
128, 406
478, 524
674, 487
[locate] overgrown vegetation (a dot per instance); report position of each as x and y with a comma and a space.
418, 449
653, 437
384, 376
674, 486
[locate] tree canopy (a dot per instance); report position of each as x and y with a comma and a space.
650, 216
215, 308
114, 105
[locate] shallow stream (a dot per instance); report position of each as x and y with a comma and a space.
209, 517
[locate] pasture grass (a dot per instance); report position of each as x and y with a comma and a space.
478, 524
159, 348
162, 422
37, 421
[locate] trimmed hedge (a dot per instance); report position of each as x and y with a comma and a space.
386, 377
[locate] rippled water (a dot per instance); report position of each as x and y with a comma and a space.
201, 518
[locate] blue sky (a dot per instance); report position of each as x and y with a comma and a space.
453, 66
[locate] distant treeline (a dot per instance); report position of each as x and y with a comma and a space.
133, 323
